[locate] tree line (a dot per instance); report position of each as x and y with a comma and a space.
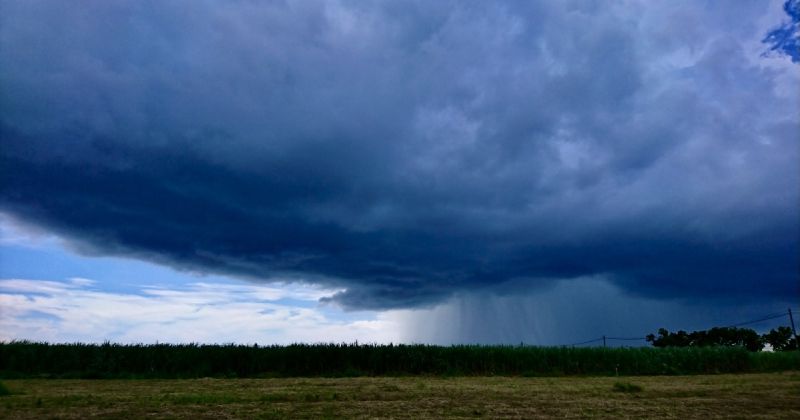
780, 339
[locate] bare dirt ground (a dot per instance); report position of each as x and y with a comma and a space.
716, 396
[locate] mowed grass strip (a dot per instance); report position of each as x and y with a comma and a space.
775, 395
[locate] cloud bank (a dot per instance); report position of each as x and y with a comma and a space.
404, 152
76, 311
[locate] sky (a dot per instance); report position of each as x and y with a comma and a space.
542, 172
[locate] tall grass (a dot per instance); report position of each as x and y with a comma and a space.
27, 359
4, 390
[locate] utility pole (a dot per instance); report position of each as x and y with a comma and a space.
604, 340
794, 331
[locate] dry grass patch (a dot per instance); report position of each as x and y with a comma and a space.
718, 396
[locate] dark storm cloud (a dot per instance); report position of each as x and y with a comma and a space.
407, 151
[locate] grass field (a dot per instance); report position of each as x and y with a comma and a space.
773, 395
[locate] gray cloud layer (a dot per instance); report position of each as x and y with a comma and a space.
410, 150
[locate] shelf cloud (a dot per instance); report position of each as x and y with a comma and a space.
403, 152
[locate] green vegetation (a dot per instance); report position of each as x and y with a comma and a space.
780, 339
773, 395
4, 390
626, 387
26, 360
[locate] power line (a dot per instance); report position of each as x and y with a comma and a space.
583, 342
766, 318
774, 315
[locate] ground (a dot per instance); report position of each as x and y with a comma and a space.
774, 395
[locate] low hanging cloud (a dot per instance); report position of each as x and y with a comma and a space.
404, 152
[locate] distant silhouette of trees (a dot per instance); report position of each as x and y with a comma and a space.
780, 339
718, 336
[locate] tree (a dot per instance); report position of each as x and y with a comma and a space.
781, 339
728, 336
718, 336
668, 339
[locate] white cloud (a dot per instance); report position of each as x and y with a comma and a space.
80, 281
54, 311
